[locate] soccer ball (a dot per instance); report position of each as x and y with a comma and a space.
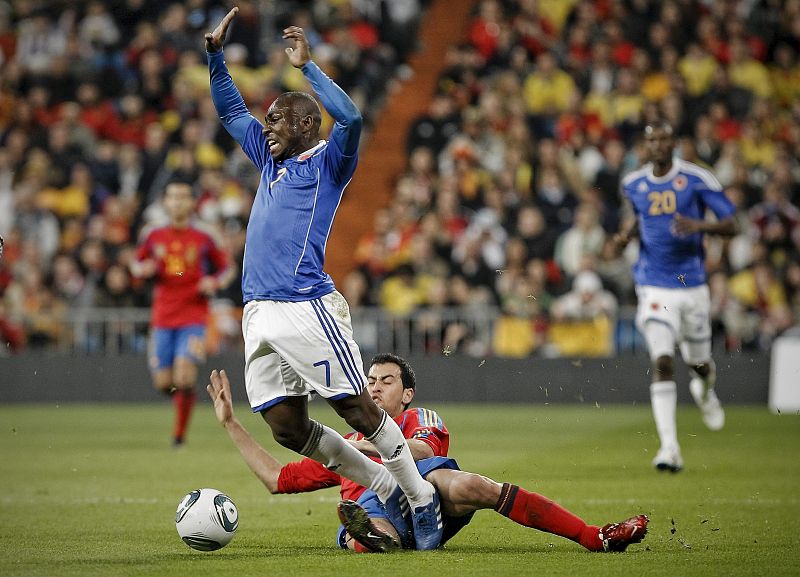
206, 519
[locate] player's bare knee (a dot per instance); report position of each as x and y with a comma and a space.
702, 369
292, 440
478, 491
663, 369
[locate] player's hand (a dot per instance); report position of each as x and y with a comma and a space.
685, 226
208, 285
215, 39
299, 53
220, 392
620, 241
145, 269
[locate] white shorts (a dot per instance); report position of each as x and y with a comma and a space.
684, 312
295, 348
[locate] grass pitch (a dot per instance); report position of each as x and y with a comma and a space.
92, 490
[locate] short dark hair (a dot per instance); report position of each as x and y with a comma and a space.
659, 123
304, 104
181, 181
406, 372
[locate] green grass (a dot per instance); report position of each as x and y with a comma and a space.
92, 490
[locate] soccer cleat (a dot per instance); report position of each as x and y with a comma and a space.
428, 526
358, 524
617, 536
706, 399
668, 459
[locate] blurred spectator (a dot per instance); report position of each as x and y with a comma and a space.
434, 128
583, 239
583, 319
776, 224
764, 298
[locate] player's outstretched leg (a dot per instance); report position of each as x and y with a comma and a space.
617, 536
361, 528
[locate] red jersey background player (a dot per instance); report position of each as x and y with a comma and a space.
392, 385
188, 267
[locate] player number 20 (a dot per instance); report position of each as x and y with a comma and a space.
662, 202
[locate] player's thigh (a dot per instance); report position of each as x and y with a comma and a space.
161, 356
190, 350
269, 380
268, 377
316, 338
462, 491
658, 320
695, 343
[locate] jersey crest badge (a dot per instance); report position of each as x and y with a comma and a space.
642, 188
680, 182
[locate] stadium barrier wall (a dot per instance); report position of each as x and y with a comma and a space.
743, 379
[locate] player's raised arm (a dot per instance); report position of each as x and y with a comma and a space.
227, 99
347, 131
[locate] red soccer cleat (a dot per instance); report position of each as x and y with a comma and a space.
358, 524
617, 536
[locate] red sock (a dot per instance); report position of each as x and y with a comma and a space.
183, 401
534, 510
359, 548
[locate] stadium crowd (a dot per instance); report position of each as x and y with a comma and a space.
511, 192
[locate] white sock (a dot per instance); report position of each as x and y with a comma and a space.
331, 449
396, 456
664, 400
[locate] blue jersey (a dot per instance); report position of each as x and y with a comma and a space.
665, 258
297, 198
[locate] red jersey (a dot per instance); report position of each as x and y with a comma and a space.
309, 475
183, 256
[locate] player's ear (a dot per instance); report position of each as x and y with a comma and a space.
408, 396
307, 123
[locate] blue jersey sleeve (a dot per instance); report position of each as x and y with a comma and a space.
347, 130
236, 118
713, 197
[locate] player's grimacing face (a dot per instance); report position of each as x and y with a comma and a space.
385, 386
281, 130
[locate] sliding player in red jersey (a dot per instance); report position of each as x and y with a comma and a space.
188, 267
392, 385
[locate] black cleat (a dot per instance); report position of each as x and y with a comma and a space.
361, 528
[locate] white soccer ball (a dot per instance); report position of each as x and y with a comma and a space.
206, 519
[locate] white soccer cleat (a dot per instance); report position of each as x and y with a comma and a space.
706, 399
668, 459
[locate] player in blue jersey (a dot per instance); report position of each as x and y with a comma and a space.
670, 198
297, 328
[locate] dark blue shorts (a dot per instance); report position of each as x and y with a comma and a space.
452, 525
170, 344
